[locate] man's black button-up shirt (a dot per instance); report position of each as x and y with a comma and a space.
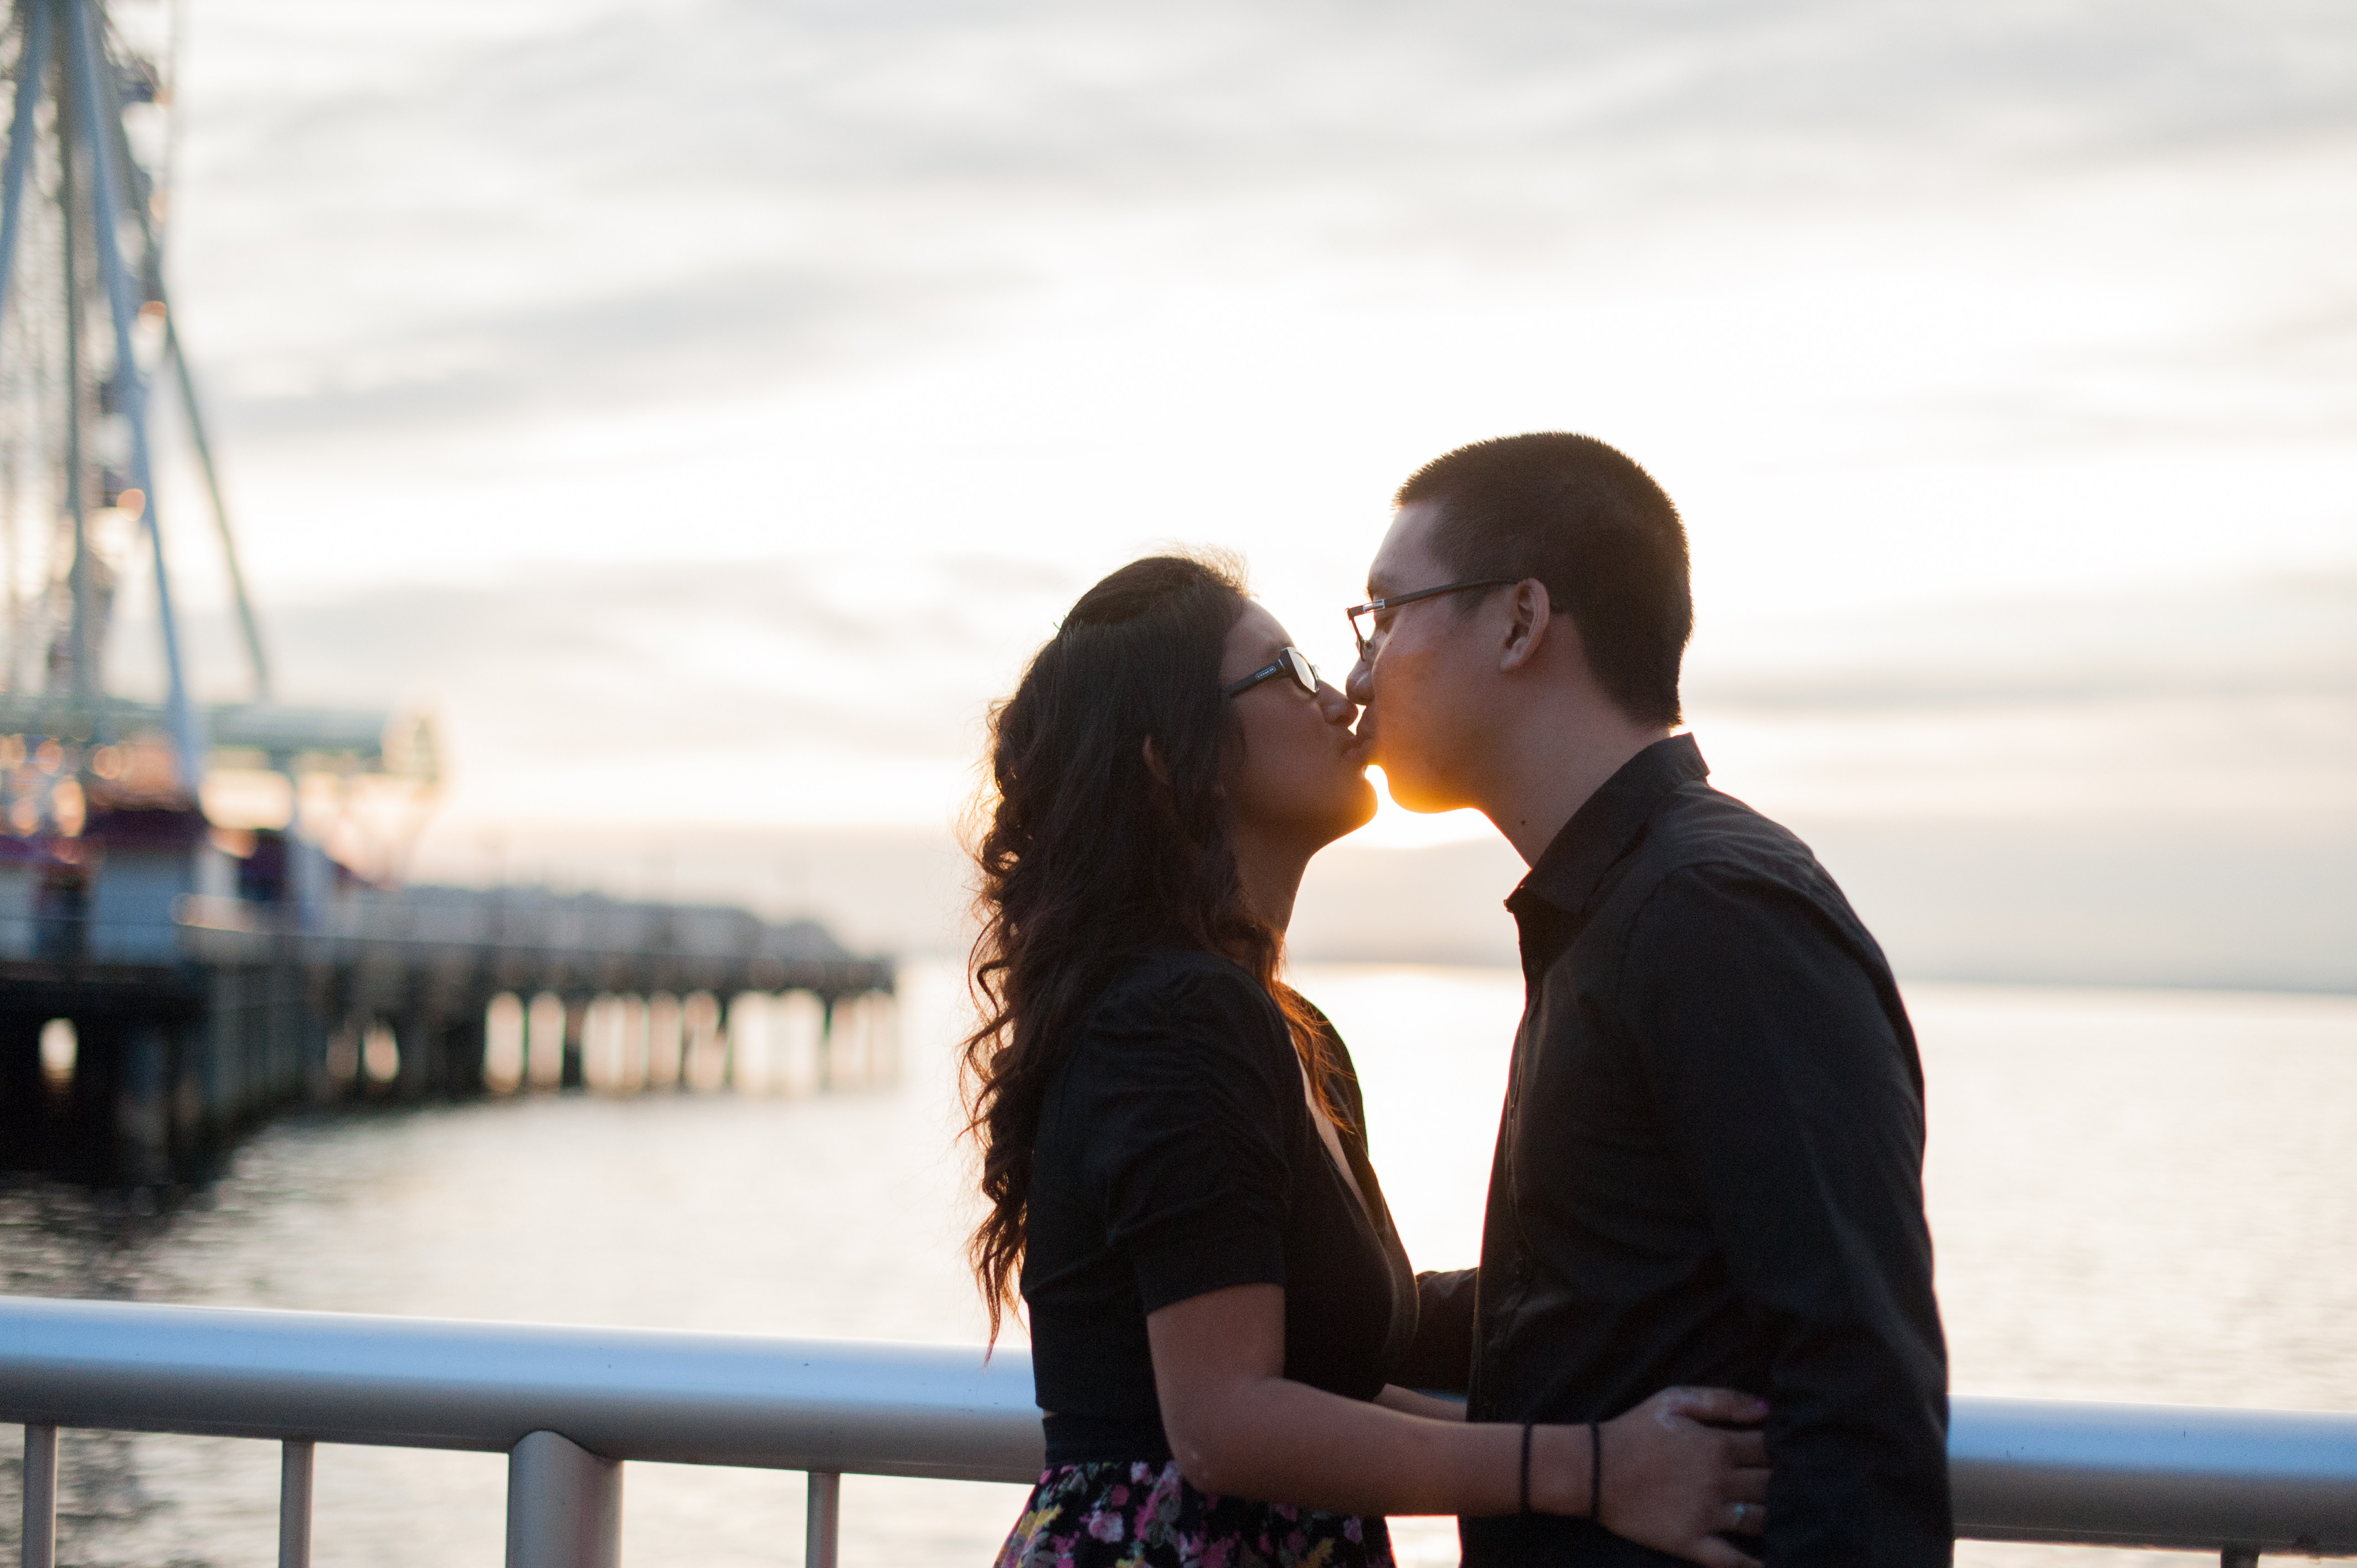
1709, 1170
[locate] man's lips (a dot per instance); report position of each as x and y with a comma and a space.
1362, 744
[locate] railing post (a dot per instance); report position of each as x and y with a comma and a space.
822, 1519
564, 1505
294, 1504
2239, 1557
40, 1496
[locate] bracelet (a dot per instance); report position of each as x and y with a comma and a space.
1526, 1466
1595, 1470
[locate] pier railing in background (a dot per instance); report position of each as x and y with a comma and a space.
570, 1405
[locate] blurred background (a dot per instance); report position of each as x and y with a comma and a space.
702, 408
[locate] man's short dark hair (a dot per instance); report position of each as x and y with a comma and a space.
1591, 525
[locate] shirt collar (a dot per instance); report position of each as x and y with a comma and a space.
1601, 830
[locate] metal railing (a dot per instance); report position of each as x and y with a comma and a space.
570, 1405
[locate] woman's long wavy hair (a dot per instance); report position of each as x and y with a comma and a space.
1090, 854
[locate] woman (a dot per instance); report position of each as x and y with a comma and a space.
1171, 1145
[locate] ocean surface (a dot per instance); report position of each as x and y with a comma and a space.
2143, 1196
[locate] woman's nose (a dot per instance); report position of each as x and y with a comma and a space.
1337, 708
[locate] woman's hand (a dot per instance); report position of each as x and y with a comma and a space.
1676, 1478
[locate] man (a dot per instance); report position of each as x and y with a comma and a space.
1709, 1166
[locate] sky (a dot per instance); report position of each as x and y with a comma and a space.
703, 408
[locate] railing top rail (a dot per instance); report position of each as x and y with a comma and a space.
2170, 1476
625, 1393
2160, 1476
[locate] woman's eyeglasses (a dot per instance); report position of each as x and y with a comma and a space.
1291, 663
1365, 635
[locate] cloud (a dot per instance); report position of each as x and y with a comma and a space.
569, 664
2177, 902
891, 654
2154, 788
653, 201
2230, 641
584, 685
705, 337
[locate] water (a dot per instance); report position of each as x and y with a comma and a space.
2137, 1195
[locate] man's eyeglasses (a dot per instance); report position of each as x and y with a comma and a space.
1291, 663
1365, 635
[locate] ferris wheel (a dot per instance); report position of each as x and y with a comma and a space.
92, 371
86, 331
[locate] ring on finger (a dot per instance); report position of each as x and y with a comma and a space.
1742, 1511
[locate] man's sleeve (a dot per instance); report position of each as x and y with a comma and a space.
1440, 1358
1795, 1100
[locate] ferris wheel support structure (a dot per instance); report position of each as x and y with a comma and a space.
62, 61
32, 64
130, 381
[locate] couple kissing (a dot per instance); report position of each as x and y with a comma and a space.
1703, 1324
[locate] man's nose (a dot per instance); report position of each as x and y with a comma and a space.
1359, 684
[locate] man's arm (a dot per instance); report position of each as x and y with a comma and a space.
1440, 1357
1795, 1100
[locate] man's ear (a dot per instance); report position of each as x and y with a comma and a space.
1529, 614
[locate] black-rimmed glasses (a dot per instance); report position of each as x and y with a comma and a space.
1393, 601
1291, 663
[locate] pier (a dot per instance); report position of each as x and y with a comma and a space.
152, 1009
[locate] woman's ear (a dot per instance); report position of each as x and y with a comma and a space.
1153, 763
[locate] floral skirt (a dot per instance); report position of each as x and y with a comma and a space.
1124, 1514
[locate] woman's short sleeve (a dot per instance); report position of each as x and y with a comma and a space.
1192, 1086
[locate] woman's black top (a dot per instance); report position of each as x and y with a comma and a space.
1177, 1157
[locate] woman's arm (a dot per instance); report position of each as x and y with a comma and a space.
1238, 1427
